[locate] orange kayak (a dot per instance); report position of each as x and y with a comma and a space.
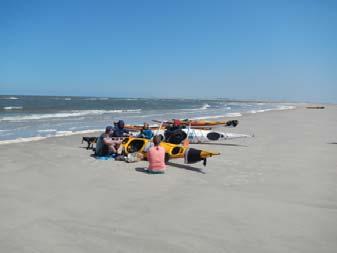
140, 127
200, 123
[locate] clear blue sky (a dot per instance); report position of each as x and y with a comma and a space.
172, 48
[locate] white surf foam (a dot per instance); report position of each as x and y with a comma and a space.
286, 107
233, 114
65, 114
58, 134
208, 117
262, 110
12, 108
205, 106
78, 127
20, 140
46, 130
95, 99
279, 108
11, 98
68, 133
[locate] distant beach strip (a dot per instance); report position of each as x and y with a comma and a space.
30, 118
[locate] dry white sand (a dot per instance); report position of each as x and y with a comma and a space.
276, 192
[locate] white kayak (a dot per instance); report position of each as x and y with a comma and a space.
206, 136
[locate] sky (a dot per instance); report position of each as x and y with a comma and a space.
276, 50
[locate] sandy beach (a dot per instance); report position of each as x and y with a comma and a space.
276, 192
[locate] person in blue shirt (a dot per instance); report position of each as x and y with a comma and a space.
146, 132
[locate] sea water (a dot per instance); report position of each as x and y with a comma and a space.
26, 118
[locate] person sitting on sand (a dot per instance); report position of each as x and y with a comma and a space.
105, 145
146, 132
156, 157
119, 130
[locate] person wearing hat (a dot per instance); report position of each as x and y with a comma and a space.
173, 132
105, 144
119, 130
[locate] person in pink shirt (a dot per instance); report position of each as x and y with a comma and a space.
156, 157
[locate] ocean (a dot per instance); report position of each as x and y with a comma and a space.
27, 118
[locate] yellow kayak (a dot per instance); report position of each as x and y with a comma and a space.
191, 155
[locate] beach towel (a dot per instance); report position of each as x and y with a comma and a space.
105, 158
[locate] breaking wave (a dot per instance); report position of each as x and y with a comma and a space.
279, 108
65, 114
10, 98
46, 130
233, 114
208, 117
205, 106
57, 134
12, 108
95, 99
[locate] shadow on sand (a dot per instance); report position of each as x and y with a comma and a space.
224, 144
332, 142
86, 148
186, 167
141, 169
180, 166
144, 170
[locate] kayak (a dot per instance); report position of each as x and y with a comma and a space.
204, 136
190, 155
138, 127
201, 136
200, 123
163, 126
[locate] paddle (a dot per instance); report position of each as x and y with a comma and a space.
186, 142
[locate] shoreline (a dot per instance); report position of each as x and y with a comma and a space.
232, 115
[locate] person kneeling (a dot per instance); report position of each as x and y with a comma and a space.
156, 157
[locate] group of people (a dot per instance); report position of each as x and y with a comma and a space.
109, 143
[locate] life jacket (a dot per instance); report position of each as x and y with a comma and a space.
147, 133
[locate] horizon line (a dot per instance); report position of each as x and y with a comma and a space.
257, 100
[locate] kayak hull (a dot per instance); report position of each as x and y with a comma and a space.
141, 145
206, 136
200, 123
